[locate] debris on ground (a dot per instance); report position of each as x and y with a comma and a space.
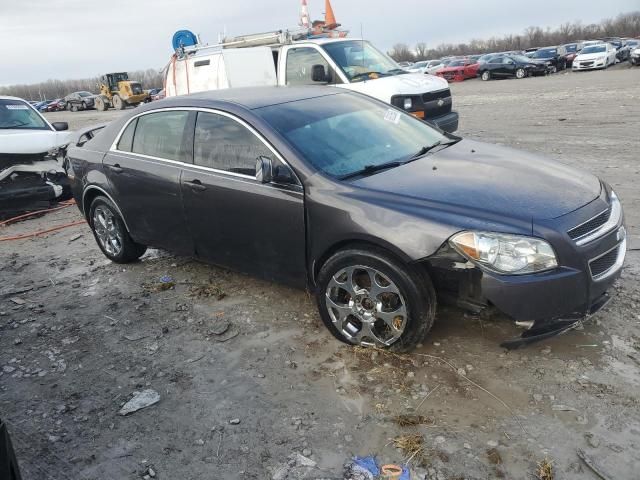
544, 470
366, 468
494, 456
140, 400
206, 291
413, 420
410, 445
165, 283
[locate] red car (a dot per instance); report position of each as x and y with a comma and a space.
459, 70
55, 106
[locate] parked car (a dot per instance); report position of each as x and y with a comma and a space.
372, 209
459, 70
517, 66
622, 52
554, 57
601, 55
634, 57
27, 174
80, 101
159, 95
42, 106
572, 51
427, 67
56, 105
152, 93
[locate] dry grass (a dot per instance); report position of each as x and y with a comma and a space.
206, 291
411, 445
413, 420
158, 287
494, 456
544, 471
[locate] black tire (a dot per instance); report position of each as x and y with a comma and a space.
521, 73
486, 75
74, 108
414, 285
130, 251
101, 104
83, 106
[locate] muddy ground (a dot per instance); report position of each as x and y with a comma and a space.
252, 385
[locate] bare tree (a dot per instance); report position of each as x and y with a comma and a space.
402, 53
421, 51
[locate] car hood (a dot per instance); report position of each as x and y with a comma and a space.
31, 142
492, 179
406, 84
590, 56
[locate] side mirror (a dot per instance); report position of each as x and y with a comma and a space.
60, 126
264, 170
283, 174
319, 74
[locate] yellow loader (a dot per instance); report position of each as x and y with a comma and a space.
117, 91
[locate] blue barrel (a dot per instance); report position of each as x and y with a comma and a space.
184, 38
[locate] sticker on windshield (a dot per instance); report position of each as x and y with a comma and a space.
17, 107
392, 116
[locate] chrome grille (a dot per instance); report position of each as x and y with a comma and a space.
589, 226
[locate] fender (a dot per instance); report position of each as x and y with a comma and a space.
90, 188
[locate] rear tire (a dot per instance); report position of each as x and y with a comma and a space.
101, 104
118, 102
111, 233
486, 75
395, 313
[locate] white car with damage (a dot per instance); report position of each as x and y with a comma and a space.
28, 148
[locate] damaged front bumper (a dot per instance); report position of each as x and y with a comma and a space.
30, 181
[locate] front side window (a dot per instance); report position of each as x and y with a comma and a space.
345, 134
300, 62
16, 114
161, 135
224, 144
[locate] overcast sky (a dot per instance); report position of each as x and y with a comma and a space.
42, 39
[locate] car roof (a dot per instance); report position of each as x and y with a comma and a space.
6, 97
251, 97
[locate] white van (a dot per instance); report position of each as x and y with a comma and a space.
278, 59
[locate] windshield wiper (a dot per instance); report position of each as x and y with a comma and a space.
371, 169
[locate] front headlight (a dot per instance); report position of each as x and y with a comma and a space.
408, 103
506, 254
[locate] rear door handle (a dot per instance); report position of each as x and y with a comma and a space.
116, 168
196, 185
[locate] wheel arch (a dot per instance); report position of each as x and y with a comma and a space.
89, 195
363, 243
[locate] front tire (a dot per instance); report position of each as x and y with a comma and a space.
111, 233
118, 103
367, 297
521, 73
486, 75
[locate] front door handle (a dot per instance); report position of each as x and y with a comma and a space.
116, 168
196, 185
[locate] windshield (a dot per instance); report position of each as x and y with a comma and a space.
457, 63
16, 114
85, 94
361, 61
594, 49
419, 65
345, 135
571, 47
544, 53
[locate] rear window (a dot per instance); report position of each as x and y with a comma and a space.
125, 143
161, 135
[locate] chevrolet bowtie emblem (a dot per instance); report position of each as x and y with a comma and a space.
440, 102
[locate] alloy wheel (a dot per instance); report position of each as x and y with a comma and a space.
108, 230
366, 307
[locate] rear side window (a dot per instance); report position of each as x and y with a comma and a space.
224, 144
161, 135
126, 139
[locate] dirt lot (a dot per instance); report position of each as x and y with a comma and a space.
78, 335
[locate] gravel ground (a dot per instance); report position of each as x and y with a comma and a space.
252, 386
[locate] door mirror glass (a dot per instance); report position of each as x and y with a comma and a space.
60, 126
319, 74
264, 170
283, 174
